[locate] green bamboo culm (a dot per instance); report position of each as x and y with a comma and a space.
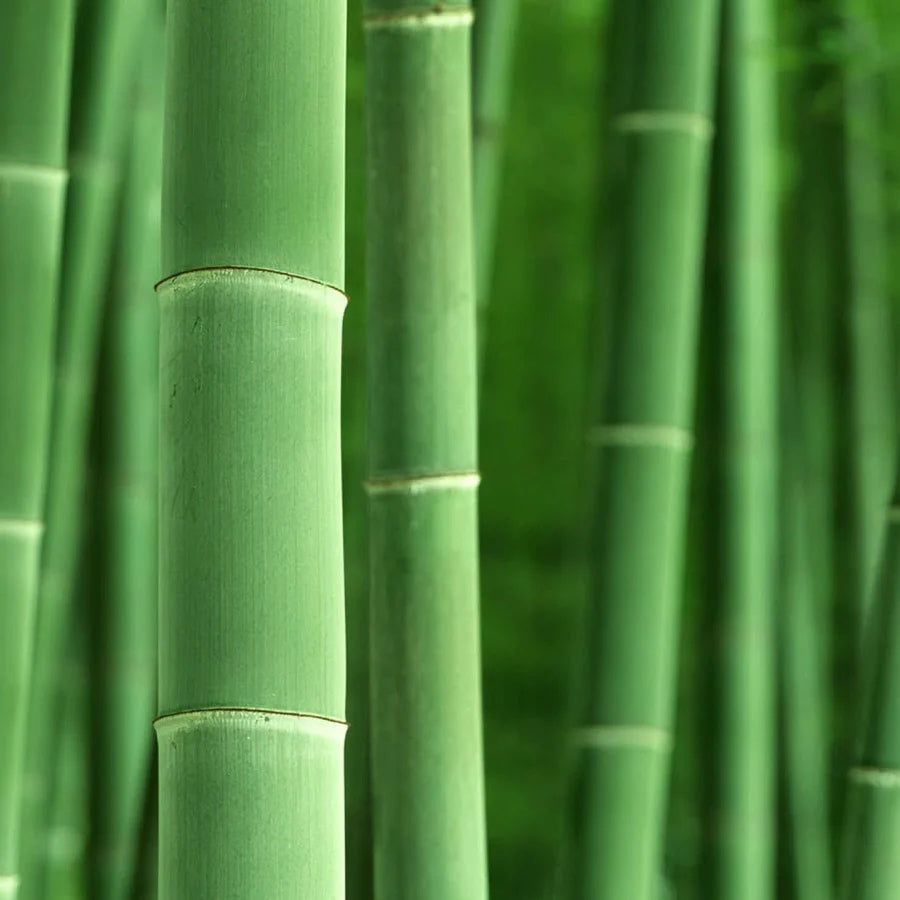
642, 440
494, 45
66, 875
870, 864
124, 611
872, 356
106, 45
740, 448
35, 54
427, 767
251, 644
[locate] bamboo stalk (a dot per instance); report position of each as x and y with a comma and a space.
870, 862
872, 356
427, 770
803, 682
740, 447
125, 612
494, 45
35, 49
642, 440
251, 665
107, 33
68, 821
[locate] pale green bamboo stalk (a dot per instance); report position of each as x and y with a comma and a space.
872, 356
870, 865
740, 446
35, 53
494, 46
427, 769
107, 33
125, 611
642, 439
251, 664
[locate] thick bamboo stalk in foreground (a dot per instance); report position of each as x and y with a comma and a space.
35, 52
107, 33
251, 665
427, 770
870, 863
494, 43
124, 611
740, 446
642, 439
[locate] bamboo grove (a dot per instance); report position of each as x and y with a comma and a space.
449, 450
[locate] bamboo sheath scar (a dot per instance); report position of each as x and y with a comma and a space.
35, 57
427, 770
659, 145
251, 625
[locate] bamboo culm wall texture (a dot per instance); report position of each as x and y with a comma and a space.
740, 450
35, 54
642, 440
251, 627
107, 34
125, 610
427, 768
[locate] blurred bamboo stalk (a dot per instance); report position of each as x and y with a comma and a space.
35, 55
124, 611
741, 449
870, 864
106, 42
493, 54
642, 439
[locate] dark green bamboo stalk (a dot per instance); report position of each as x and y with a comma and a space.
741, 445
107, 33
494, 43
870, 862
124, 613
803, 689
252, 669
642, 439
35, 50
427, 771
872, 358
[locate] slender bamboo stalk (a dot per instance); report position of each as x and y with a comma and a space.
741, 445
124, 614
146, 868
252, 669
494, 43
35, 49
428, 802
870, 863
803, 684
872, 357
107, 33
642, 440
68, 821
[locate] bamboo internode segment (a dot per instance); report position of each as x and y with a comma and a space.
641, 435
613, 737
251, 556
428, 790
